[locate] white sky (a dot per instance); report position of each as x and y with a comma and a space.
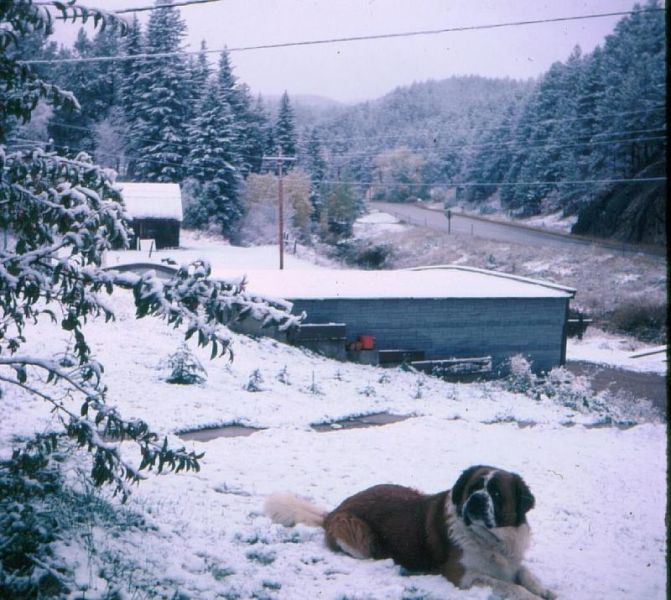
369, 69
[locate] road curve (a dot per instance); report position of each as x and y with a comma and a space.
502, 231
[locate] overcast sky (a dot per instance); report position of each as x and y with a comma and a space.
369, 69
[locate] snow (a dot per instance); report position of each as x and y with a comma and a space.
221, 256
553, 222
617, 351
598, 525
152, 200
377, 221
593, 536
259, 265
377, 217
444, 282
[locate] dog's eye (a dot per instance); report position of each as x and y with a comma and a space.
496, 494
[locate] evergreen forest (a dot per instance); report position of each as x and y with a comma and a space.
586, 139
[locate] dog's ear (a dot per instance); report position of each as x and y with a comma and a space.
524, 499
458, 489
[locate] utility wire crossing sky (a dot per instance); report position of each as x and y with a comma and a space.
313, 54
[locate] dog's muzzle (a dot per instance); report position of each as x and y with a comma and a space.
479, 510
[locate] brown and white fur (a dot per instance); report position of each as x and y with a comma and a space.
474, 534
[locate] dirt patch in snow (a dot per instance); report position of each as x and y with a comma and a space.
212, 433
374, 420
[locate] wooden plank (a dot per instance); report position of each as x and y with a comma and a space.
455, 366
399, 356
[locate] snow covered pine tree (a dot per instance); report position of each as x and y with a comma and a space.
60, 215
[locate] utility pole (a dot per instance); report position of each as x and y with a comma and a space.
280, 158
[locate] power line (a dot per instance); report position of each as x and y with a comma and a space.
338, 40
452, 184
521, 143
174, 4
352, 155
449, 184
139, 8
345, 159
484, 131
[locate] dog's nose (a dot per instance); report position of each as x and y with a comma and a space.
477, 510
477, 503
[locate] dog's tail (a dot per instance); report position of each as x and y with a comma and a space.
289, 509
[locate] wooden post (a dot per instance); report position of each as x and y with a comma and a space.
280, 201
280, 158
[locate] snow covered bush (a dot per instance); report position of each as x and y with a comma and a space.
27, 524
283, 376
363, 254
559, 384
521, 379
42, 512
567, 389
574, 392
314, 388
185, 368
368, 391
255, 382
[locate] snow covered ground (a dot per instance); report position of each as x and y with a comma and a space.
599, 529
617, 351
220, 254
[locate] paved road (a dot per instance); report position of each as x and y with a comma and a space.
501, 231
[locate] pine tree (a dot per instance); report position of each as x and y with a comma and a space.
34, 46
71, 128
316, 166
163, 108
131, 96
227, 81
250, 121
285, 129
254, 132
267, 133
491, 159
213, 163
200, 74
95, 85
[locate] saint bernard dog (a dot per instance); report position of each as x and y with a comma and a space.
474, 534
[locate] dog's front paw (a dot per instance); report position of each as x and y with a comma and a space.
547, 594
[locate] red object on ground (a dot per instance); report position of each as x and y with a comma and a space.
367, 342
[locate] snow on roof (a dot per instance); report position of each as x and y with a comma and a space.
443, 282
152, 200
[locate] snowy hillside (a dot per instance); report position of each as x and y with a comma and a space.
202, 535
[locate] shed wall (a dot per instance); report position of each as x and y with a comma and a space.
164, 231
453, 327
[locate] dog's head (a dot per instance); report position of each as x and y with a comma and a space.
491, 497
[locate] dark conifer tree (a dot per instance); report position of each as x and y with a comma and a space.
213, 163
285, 128
199, 72
72, 129
131, 96
163, 107
316, 166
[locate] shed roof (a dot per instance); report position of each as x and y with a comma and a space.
152, 200
447, 281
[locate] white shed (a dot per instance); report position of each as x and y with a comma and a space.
155, 211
